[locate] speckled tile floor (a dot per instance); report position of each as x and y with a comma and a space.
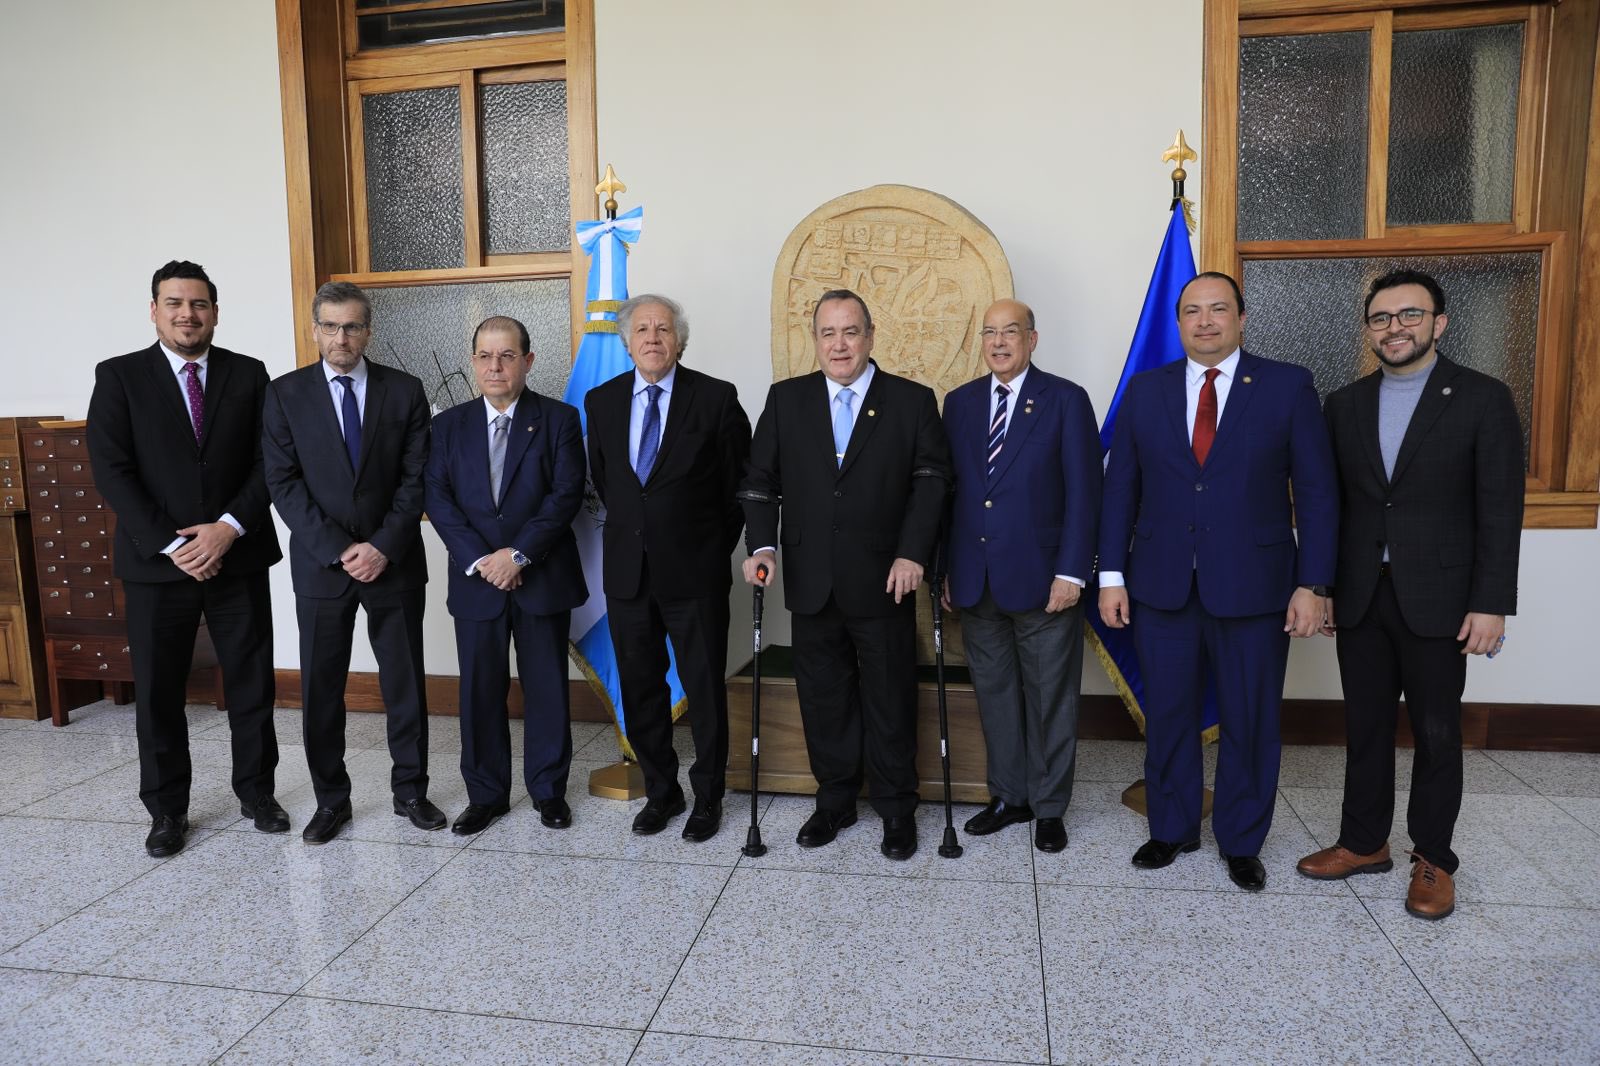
593, 946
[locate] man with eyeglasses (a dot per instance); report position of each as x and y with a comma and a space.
345, 444
1026, 455
1431, 472
504, 482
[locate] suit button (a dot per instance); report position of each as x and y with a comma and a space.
1198, 487
988, 503
1191, 529
637, 533
983, 540
644, 495
837, 494
1387, 505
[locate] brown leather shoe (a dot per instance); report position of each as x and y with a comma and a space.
1432, 894
1337, 863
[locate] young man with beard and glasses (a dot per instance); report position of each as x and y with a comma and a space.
1431, 469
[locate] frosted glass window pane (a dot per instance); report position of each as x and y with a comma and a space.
1303, 136
426, 330
415, 212
1453, 125
525, 183
378, 28
1308, 311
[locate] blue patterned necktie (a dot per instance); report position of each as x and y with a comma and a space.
842, 425
649, 434
997, 426
352, 421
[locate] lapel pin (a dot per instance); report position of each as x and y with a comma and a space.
1247, 379
871, 413
1446, 390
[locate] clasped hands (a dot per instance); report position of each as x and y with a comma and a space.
500, 570
201, 556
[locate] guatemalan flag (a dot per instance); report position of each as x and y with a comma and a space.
602, 357
1155, 342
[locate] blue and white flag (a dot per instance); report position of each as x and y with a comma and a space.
602, 357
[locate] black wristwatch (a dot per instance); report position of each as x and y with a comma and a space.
1320, 590
518, 558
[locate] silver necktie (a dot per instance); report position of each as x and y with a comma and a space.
497, 453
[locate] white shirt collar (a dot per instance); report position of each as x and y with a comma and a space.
357, 375
666, 383
859, 386
1015, 384
1197, 371
511, 409
178, 362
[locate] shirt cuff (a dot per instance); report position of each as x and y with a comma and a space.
174, 546
768, 548
1111, 579
1078, 581
234, 522
473, 569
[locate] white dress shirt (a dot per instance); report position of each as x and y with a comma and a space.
178, 362
641, 404
490, 414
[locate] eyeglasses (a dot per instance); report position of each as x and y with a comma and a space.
349, 329
1010, 333
1408, 316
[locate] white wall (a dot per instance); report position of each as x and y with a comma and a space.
1044, 118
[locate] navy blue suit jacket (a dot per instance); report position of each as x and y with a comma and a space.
1039, 515
541, 491
1167, 521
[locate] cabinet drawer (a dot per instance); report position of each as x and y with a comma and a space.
82, 549
65, 602
74, 574
62, 526
55, 444
92, 657
74, 472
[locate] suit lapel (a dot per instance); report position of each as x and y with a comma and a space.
1435, 398
377, 388
1366, 417
677, 408
167, 387
1174, 389
218, 367
1022, 419
524, 428
1240, 393
868, 410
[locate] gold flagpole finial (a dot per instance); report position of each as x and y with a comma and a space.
609, 187
1179, 153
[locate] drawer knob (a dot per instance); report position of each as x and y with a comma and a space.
105, 666
38, 442
74, 442
77, 468
78, 493
85, 544
88, 595
88, 569
124, 649
77, 647
56, 594
49, 569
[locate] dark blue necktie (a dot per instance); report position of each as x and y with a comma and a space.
352, 421
649, 434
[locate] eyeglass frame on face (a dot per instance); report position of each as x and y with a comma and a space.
349, 329
1012, 332
1380, 320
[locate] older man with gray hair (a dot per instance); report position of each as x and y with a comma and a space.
667, 448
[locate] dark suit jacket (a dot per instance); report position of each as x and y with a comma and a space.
1039, 515
158, 479
686, 516
541, 491
1167, 521
1452, 513
326, 505
843, 526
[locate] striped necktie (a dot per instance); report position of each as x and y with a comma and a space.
997, 426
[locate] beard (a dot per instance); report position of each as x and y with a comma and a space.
1418, 352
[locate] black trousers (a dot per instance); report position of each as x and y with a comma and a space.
1379, 660
698, 627
394, 625
483, 648
857, 682
163, 618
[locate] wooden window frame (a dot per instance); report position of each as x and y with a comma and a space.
1555, 200
324, 75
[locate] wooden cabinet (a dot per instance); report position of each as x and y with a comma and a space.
24, 685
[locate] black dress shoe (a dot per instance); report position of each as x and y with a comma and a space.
1155, 854
554, 812
823, 826
899, 837
996, 816
422, 812
166, 835
326, 823
267, 814
478, 817
1050, 834
655, 816
1247, 872
704, 821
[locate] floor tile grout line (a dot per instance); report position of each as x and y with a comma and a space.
1044, 976
1557, 801
14, 968
835, 1047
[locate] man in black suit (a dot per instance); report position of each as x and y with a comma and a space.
854, 462
504, 482
1431, 477
345, 443
667, 446
175, 444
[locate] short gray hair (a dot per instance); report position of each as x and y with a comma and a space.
680, 321
340, 292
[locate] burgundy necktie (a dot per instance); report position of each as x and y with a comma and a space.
197, 398
1205, 417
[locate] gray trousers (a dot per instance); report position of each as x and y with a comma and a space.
1027, 667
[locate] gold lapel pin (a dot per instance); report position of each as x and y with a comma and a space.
871, 413
1247, 379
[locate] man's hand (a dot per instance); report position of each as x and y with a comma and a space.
1481, 633
944, 596
1306, 612
1063, 594
759, 559
1329, 626
904, 577
1114, 607
501, 571
364, 562
201, 558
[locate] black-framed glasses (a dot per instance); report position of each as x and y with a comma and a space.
1408, 316
349, 329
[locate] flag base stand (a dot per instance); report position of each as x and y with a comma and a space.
1133, 798
619, 781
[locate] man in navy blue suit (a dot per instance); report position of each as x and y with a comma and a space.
1026, 456
504, 482
1199, 528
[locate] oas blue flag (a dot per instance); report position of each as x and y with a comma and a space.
602, 357
1155, 342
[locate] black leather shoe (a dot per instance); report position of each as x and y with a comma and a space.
704, 821
823, 826
422, 812
655, 816
267, 814
478, 817
1247, 872
554, 812
899, 837
166, 835
1050, 834
996, 816
1155, 854
326, 823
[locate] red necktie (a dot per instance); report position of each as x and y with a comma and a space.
1205, 417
